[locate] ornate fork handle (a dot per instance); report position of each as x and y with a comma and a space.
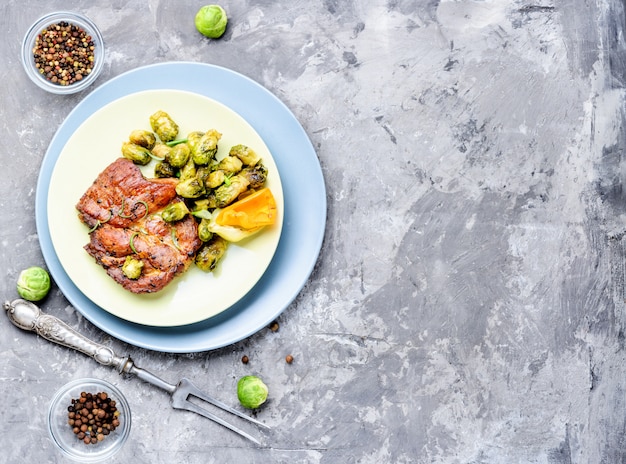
28, 316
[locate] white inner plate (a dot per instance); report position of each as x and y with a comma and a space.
195, 295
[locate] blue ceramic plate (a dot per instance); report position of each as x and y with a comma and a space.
303, 228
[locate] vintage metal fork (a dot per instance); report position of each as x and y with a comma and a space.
28, 316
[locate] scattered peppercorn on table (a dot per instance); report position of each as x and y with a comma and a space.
448, 285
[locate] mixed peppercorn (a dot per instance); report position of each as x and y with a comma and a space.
64, 53
93, 416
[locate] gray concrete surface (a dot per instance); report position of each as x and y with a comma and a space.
468, 302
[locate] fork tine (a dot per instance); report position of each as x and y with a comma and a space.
189, 406
187, 385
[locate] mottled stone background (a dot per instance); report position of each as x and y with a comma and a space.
468, 303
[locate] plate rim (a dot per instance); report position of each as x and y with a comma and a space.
205, 335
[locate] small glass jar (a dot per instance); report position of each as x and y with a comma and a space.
64, 437
28, 44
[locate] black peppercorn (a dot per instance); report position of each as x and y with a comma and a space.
95, 417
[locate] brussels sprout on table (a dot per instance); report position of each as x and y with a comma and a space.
211, 21
33, 284
251, 391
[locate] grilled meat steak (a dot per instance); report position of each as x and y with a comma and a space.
120, 195
120, 205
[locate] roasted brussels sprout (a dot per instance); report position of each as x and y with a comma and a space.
228, 192
201, 158
211, 200
203, 205
199, 206
142, 138
33, 284
164, 126
215, 179
164, 169
204, 233
175, 212
209, 140
256, 175
203, 150
179, 155
203, 173
190, 188
161, 151
251, 391
132, 267
193, 140
230, 165
247, 155
210, 253
136, 153
188, 171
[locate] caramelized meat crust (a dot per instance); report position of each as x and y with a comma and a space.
120, 195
